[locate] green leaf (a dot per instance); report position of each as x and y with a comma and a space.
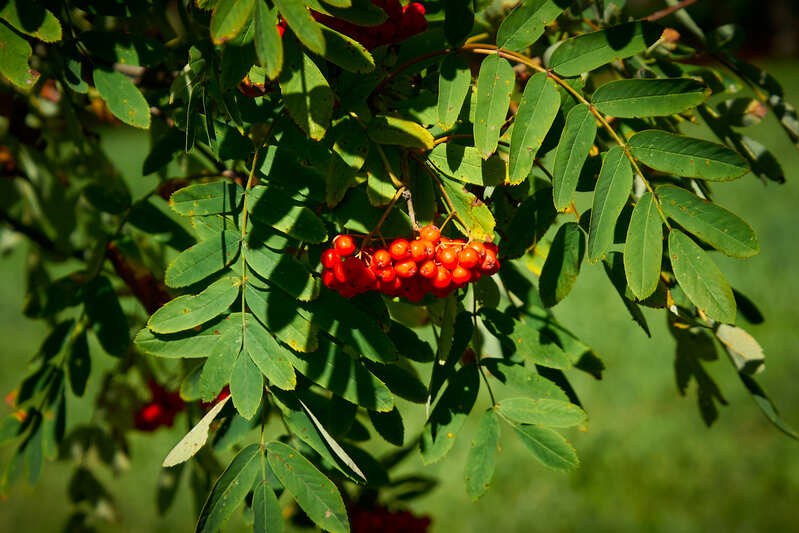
525, 24
351, 144
384, 129
612, 191
495, 83
346, 52
562, 265
482, 456
123, 98
401, 379
438, 435
219, 366
124, 48
643, 249
281, 269
230, 489
353, 326
14, 55
389, 425
537, 110
575, 143
700, 278
531, 221
648, 97
744, 351
275, 209
188, 311
195, 439
465, 164
272, 360
282, 315
229, 18
333, 369
538, 343
591, 50
362, 12
246, 385
713, 224
267, 514
306, 93
479, 220
523, 379
766, 405
268, 44
79, 364
302, 24
213, 198
31, 18
203, 259
548, 446
106, 316
454, 81
315, 494
686, 156
192, 343
544, 412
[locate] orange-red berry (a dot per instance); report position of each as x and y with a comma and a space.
448, 257
399, 250
468, 258
428, 269
460, 275
443, 278
490, 264
344, 245
422, 249
430, 233
406, 269
381, 259
387, 274
329, 279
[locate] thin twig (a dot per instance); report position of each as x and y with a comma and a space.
657, 15
376, 229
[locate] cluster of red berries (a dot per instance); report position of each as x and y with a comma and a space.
409, 269
403, 22
161, 409
368, 520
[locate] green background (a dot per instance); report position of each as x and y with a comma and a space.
648, 461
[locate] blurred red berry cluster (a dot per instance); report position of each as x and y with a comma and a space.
160, 410
402, 22
369, 520
429, 263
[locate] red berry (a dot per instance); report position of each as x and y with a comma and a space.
387, 274
391, 288
353, 267
330, 257
329, 279
443, 278
430, 233
478, 247
344, 245
406, 269
399, 250
460, 275
448, 257
428, 269
381, 259
491, 246
490, 264
340, 273
422, 249
468, 258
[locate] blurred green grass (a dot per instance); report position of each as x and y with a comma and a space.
648, 461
